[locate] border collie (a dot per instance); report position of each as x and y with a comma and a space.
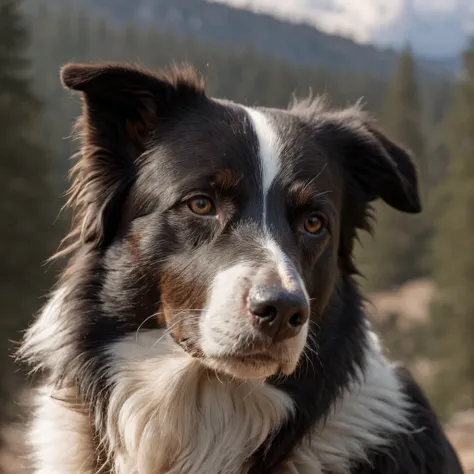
208, 320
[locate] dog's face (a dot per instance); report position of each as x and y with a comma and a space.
230, 226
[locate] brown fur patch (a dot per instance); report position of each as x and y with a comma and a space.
134, 247
182, 302
303, 193
226, 179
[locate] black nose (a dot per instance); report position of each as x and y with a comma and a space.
278, 313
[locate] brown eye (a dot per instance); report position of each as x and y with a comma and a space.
313, 224
202, 206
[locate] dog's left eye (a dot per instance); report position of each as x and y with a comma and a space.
314, 224
202, 206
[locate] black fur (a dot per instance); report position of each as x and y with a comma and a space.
341, 345
147, 141
425, 451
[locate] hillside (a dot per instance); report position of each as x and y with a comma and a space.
223, 24
435, 29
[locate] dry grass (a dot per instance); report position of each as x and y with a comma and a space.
461, 433
411, 302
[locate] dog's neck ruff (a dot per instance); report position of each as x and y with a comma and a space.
168, 414
185, 418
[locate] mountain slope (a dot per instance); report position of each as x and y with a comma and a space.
219, 23
435, 28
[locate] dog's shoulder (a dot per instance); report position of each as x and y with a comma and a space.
425, 449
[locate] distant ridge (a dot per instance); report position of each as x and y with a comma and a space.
219, 23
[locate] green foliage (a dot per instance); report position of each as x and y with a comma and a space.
453, 321
242, 74
25, 192
209, 22
399, 252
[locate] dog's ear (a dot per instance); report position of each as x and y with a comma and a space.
379, 166
123, 107
386, 170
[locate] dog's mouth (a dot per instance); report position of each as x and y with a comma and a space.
261, 363
252, 365
246, 366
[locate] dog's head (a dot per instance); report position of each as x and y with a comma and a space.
230, 226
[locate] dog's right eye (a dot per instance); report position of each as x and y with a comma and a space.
202, 206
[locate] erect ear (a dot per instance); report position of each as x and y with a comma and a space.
123, 106
380, 167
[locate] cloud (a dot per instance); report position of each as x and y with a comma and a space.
434, 27
356, 18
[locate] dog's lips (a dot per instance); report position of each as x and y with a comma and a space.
251, 365
245, 367
254, 364
274, 357
263, 361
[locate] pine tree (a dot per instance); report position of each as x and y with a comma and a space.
453, 313
398, 252
25, 195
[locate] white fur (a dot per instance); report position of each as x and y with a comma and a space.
60, 436
47, 328
269, 146
289, 275
223, 311
270, 150
291, 281
364, 419
169, 414
226, 327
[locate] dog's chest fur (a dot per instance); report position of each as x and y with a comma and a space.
168, 415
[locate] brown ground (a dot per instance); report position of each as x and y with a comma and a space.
410, 302
461, 433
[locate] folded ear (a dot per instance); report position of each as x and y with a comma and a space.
123, 107
380, 167
398, 185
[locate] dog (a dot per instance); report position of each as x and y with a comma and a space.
208, 320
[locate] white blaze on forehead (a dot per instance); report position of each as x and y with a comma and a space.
269, 146
269, 151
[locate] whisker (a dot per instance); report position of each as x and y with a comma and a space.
165, 333
144, 322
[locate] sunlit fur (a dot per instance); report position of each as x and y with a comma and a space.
167, 413
150, 357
